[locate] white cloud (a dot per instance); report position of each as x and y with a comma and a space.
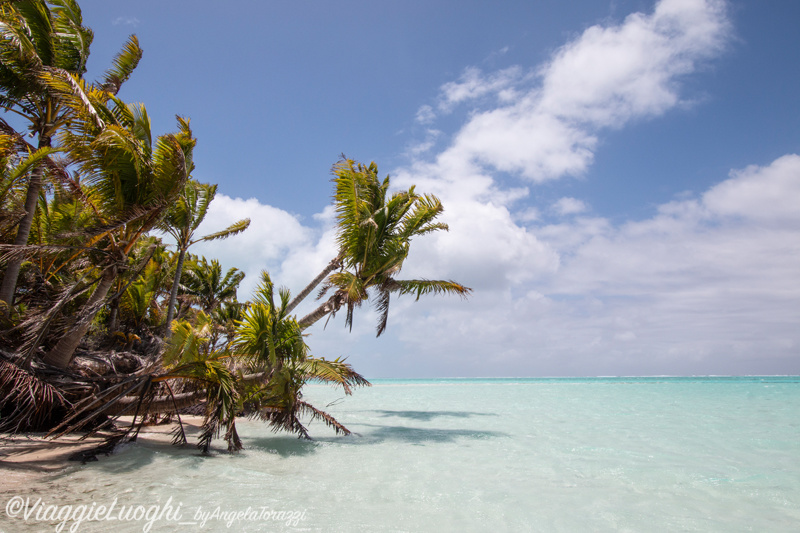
420, 148
612, 74
545, 126
569, 206
474, 85
758, 193
125, 21
273, 235
425, 114
708, 284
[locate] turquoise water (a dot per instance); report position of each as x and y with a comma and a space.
551, 454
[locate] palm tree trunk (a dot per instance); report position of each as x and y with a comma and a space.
159, 405
333, 265
9, 285
113, 320
332, 304
61, 355
173, 294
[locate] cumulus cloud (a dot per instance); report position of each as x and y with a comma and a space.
473, 85
707, 284
273, 236
544, 123
759, 193
569, 206
546, 126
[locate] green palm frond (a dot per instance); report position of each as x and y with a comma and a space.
336, 372
73, 39
188, 341
421, 287
207, 285
233, 229
122, 66
38, 25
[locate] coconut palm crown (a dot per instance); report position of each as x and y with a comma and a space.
129, 180
38, 40
375, 229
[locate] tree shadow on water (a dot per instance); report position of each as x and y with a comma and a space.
430, 415
415, 435
284, 446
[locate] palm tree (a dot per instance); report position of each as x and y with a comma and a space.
272, 342
191, 357
269, 343
38, 38
206, 285
182, 221
137, 304
129, 183
16, 163
17, 160
375, 229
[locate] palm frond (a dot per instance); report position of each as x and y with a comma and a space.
233, 229
316, 414
122, 66
27, 401
336, 372
421, 287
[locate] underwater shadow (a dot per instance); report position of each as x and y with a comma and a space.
284, 446
427, 416
414, 435
132, 456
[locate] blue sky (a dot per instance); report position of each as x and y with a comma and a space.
619, 177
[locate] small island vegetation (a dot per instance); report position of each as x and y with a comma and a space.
99, 317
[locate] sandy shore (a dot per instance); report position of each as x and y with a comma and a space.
26, 459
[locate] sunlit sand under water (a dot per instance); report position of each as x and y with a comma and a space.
656, 454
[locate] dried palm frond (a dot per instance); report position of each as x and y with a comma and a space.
97, 405
36, 325
26, 401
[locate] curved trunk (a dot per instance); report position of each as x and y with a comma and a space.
333, 265
9, 285
159, 405
331, 305
173, 294
61, 354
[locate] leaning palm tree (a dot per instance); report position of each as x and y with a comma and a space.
38, 39
182, 221
129, 182
268, 347
375, 229
272, 343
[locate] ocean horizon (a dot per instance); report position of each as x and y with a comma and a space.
615, 453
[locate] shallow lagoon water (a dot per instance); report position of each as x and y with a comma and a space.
600, 454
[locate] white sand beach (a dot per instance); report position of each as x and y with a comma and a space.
24, 459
